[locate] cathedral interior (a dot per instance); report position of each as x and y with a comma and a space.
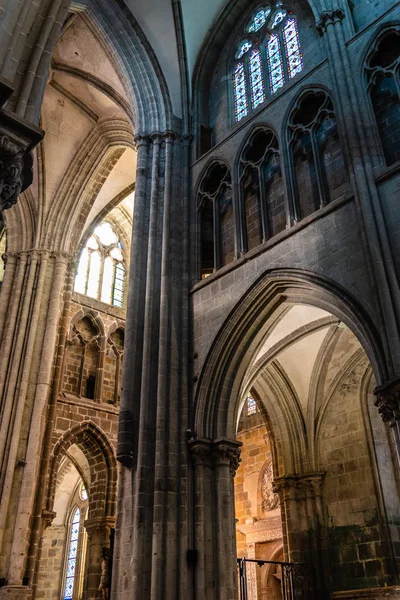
199, 300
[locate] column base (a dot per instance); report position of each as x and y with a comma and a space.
15, 592
371, 594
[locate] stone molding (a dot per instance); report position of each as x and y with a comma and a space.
330, 17
215, 453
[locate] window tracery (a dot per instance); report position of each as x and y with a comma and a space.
318, 171
101, 270
216, 219
383, 84
270, 55
263, 209
81, 364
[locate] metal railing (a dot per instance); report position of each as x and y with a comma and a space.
297, 579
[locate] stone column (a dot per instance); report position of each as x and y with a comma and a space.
302, 522
252, 575
152, 533
98, 530
27, 349
215, 464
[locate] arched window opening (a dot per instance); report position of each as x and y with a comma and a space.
383, 81
72, 555
3, 249
113, 367
101, 270
216, 219
82, 360
319, 174
269, 57
262, 190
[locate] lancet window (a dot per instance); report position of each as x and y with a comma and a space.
82, 360
268, 57
383, 82
216, 219
318, 172
263, 209
101, 270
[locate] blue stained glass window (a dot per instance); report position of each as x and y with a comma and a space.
251, 405
239, 85
256, 79
119, 285
275, 63
293, 48
71, 559
259, 20
245, 47
278, 18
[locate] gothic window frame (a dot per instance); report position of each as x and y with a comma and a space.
98, 340
292, 131
82, 505
117, 289
119, 357
257, 40
371, 75
244, 164
204, 196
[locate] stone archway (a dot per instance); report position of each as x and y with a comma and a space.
301, 348
101, 482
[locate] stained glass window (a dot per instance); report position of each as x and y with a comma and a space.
101, 270
275, 63
292, 47
243, 48
281, 61
71, 557
251, 405
83, 492
256, 79
259, 20
278, 18
239, 84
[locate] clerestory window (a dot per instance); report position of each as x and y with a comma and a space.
101, 271
268, 58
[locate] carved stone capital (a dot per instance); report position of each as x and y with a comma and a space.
227, 453
330, 17
388, 401
99, 525
215, 453
201, 452
18, 137
299, 486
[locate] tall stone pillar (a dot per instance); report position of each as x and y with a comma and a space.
215, 464
28, 335
302, 522
152, 531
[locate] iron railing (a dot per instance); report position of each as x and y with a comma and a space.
297, 579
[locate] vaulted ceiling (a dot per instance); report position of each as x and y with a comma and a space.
159, 24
